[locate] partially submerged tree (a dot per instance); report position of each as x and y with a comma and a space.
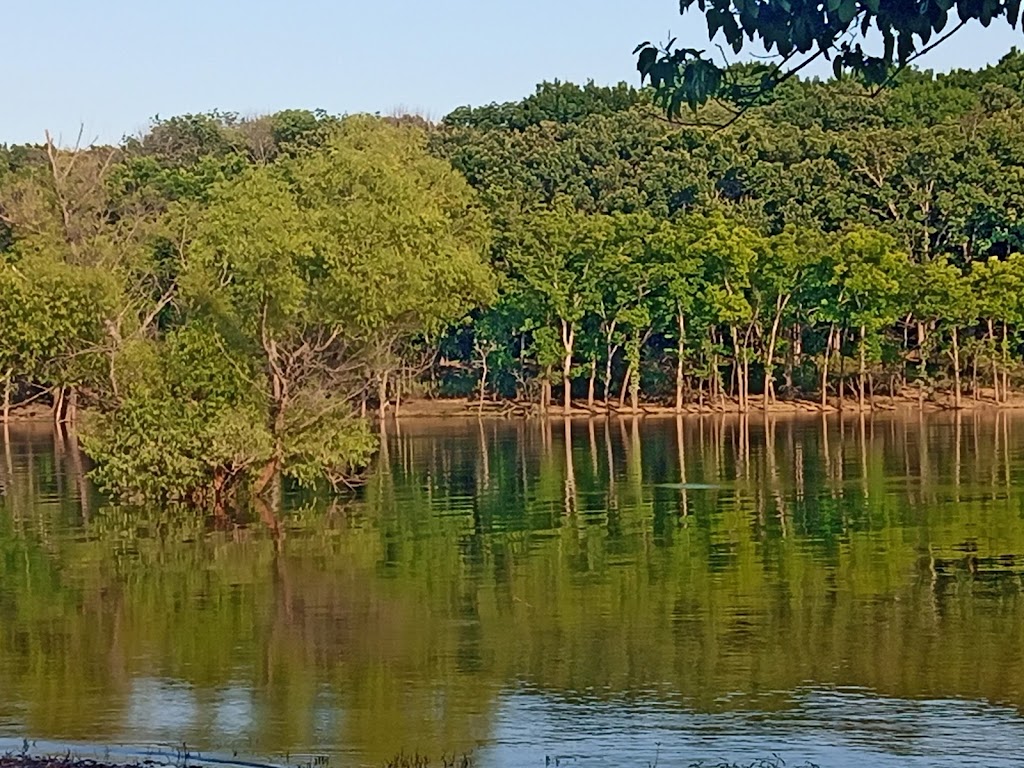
305, 269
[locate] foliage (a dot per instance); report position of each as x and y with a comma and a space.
188, 411
795, 33
307, 268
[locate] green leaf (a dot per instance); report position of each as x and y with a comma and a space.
646, 60
904, 46
847, 11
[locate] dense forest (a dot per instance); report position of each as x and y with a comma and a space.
223, 301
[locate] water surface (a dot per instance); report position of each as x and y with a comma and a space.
608, 593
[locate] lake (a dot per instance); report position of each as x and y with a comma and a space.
847, 591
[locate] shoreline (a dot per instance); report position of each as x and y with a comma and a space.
420, 408
462, 408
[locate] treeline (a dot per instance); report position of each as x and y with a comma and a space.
226, 298
830, 243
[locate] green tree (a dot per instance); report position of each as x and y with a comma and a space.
554, 254
867, 274
305, 269
945, 298
795, 34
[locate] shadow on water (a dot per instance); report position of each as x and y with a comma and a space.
831, 589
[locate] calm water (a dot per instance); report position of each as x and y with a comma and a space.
607, 593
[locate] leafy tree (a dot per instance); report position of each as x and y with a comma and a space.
51, 316
998, 286
944, 297
554, 254
680, 272
798, 33
866, 273
298, 274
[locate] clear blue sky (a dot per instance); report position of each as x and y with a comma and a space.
112, 65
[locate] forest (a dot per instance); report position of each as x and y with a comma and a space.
225, 301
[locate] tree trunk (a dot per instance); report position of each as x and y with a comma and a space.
269, 472
716, 374
625, 386
72, 406
382, 394
840, 338
679, 363
974, 376
995, 367
545, 391
8, 386
611, 349
568, 340
1006, 365
956, 367
791, 354
58, 406
863, 366
737, 368
769, 358
923, 365
824, 367
746, 380
592, 384
634, 388
483, 381
279, 399
608, 375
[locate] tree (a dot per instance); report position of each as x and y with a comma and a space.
944, 297
730, 253
304, 269
680, 272
554, 254
66, 217
798, 33
998, 286
51, 319
866, 273
778, 278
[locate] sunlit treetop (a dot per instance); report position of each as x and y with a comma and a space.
870, 39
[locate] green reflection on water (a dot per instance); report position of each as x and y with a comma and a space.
714, 564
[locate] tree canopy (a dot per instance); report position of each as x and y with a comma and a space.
871, 39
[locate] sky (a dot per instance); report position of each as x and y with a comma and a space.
109, 66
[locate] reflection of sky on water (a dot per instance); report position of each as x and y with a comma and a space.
234, 713
160, 707
831, 729
169, 713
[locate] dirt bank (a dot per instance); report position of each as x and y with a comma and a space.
909, 400
439, 408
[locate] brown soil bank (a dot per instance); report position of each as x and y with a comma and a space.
435, 408
444, 407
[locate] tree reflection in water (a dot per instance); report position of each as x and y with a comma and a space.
704, 566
